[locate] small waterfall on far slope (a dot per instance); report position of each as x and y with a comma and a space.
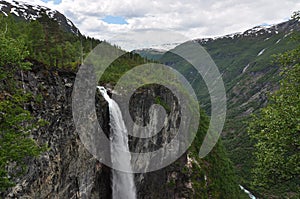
123, 186
248, 192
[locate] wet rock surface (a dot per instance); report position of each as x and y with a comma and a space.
67, 169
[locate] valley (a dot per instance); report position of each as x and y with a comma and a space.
43, 154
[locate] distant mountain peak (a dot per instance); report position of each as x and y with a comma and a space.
31, 12
261, 30
264, 30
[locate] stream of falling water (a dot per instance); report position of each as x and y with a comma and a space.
123, 186
248, 192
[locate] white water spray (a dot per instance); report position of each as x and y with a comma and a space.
248, 192
123, 186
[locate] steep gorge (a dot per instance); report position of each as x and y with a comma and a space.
67, 170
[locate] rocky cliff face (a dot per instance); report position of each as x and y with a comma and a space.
249, 72
169, 182
67, 170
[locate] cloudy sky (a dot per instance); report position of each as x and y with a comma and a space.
105, 19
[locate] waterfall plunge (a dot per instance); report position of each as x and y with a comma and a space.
123, 186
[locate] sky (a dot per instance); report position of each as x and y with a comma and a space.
107, 19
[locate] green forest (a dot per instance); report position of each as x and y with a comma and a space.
275, 128
23, 44
276, 132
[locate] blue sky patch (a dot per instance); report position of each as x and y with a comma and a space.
55, 1
114, 20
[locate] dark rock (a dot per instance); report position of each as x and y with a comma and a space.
67, 169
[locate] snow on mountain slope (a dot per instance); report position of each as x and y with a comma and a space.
287, 27
30, 12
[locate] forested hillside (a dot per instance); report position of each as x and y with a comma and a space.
41, 153
250, 71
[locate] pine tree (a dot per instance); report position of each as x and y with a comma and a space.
16, 123
277, 131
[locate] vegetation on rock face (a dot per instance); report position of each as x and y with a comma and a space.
245, 62
21, 41
276, 130
212, 176
16, 123
47, 42
43, 40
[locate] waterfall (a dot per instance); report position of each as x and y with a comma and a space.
123, 186
23, 86
248, 192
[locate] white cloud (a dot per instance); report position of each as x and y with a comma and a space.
192, 18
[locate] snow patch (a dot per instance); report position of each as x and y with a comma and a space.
33, 17
24, 7
258, 28
267, 25
32, 11
246, 67
256, 31
165, 47
70, 22
36, 7
204, 40
2, 5
4, 13
230, 36
13, 3
287, 34
261, 52
14, 11
278, 41
51, 13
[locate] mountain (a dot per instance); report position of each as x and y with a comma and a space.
30, 12
155, 52
249, 72
49, 36
44, 56
245, 60
150, 53
68, 170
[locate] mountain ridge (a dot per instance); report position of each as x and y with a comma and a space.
33, 12
257, 30
249, 72
67, 169
270, 30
